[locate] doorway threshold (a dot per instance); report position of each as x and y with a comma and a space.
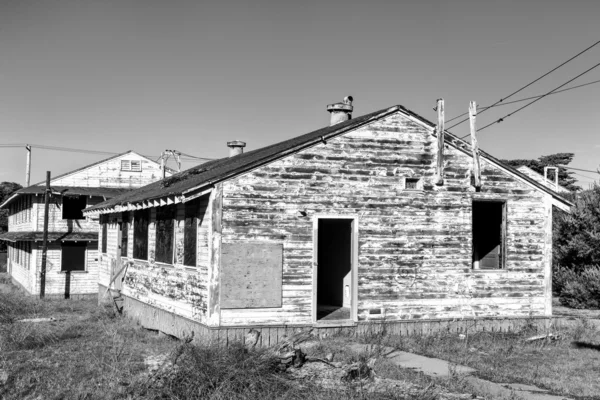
334, 323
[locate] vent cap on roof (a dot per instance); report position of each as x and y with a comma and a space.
236, 147
341, 112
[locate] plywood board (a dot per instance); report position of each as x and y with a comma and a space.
251, 275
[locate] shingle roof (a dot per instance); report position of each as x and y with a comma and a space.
218, 170
223, 168
52, 236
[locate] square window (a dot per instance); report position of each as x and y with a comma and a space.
73, 256
412, 184
72, 207
125, 165
136, 165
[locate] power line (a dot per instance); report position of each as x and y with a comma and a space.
483, 108
585, 176
84, 151
532, 82
579, 169
536, 100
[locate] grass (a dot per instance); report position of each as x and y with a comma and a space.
567, 366
88, 352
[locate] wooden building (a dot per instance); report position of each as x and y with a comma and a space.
72, 256
344, 227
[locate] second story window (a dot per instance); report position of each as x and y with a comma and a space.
131, 165
72, 207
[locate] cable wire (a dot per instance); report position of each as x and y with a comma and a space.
534, 101
483, 108
532, 82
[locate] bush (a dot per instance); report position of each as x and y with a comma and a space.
560, 277
582, 288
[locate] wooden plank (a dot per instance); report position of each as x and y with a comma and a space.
439, 179
214, 269
474, 145
251, 275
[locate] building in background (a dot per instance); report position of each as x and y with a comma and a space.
72, 257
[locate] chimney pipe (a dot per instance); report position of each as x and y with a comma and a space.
341, 112
236, 147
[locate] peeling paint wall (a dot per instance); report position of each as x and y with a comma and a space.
414, 250
176, 288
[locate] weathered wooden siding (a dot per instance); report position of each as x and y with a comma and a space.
176, 288
81, 282
22, 272
109, 174
414, 246
21, 214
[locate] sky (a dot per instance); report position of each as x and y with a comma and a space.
190, 75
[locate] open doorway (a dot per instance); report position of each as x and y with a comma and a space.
489, 227
334, 269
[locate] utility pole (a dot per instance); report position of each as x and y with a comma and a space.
28, 166
162, 164
474, 145
45, 237
439, 180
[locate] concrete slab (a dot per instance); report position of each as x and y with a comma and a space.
437, 368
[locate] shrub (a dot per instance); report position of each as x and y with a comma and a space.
560, 277
582, 288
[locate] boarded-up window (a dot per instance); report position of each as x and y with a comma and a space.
164, 234
190, 233
72, 207
73, 256
104, 222
136, 165
140, 234
489, 227
124, 234
251, 275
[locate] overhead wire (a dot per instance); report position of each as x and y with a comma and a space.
483, 108
534, 101
534, 81
84, 151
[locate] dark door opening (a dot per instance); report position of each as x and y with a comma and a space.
334, 269
488, 234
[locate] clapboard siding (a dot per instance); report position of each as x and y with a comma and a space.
176, 288
414, 257
109, 174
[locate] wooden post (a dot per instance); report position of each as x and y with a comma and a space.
162, 164
28, 165
474, 145
439, 179
45, 238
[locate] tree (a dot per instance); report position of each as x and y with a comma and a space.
565, 178
576, 235
6, 189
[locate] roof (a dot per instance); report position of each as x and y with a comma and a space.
207, 174
107, 193
52, 236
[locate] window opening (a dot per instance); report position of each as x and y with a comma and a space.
140, 234
72, 207
104, 222
124, 226
73, 256
190, 233
489, 227
164, 234
412, 184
